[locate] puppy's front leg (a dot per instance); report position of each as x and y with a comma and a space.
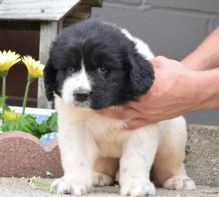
77, 149
135, 165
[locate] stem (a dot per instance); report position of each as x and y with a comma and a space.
3, 92
29, 81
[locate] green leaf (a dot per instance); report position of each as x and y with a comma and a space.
50, 125
40, 184
1, 104
26, 123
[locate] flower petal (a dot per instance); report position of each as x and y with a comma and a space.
35, 68
7, 60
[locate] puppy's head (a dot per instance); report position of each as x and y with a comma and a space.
93, 64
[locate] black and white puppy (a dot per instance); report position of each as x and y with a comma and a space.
95, 65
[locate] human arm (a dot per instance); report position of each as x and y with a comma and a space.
206, 55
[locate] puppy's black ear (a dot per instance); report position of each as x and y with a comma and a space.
141, 73
50, 80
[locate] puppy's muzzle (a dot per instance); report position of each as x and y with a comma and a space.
82, 96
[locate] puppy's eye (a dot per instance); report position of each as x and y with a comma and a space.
70, 69
102, 69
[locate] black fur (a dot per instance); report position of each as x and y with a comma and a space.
118, 72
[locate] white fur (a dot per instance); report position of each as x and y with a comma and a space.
77, 82
84, 135
141, 46
100, 179
179, 182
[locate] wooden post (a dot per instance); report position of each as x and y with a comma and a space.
48, 32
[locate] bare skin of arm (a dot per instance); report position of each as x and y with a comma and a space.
206, 56
178, 87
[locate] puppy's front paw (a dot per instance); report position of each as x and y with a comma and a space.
100, 179
180, 183
67, 185
135, 188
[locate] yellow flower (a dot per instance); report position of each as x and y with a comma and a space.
10, 115
7, 60
35, 69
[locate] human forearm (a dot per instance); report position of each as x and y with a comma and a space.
208, 90
206, 56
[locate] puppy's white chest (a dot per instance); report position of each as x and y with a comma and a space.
108, 145
108, 138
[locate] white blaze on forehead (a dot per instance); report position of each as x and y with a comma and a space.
84, 79
78, 81
140, 46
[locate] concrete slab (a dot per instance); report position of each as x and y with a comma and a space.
19, 187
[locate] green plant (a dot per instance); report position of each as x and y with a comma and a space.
10, 120
40, 184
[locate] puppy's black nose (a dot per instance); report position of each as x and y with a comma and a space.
82, 96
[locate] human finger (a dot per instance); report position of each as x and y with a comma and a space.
124, 113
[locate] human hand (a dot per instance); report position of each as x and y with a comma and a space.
172, 94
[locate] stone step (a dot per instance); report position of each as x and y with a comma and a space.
202, 154
19, 187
